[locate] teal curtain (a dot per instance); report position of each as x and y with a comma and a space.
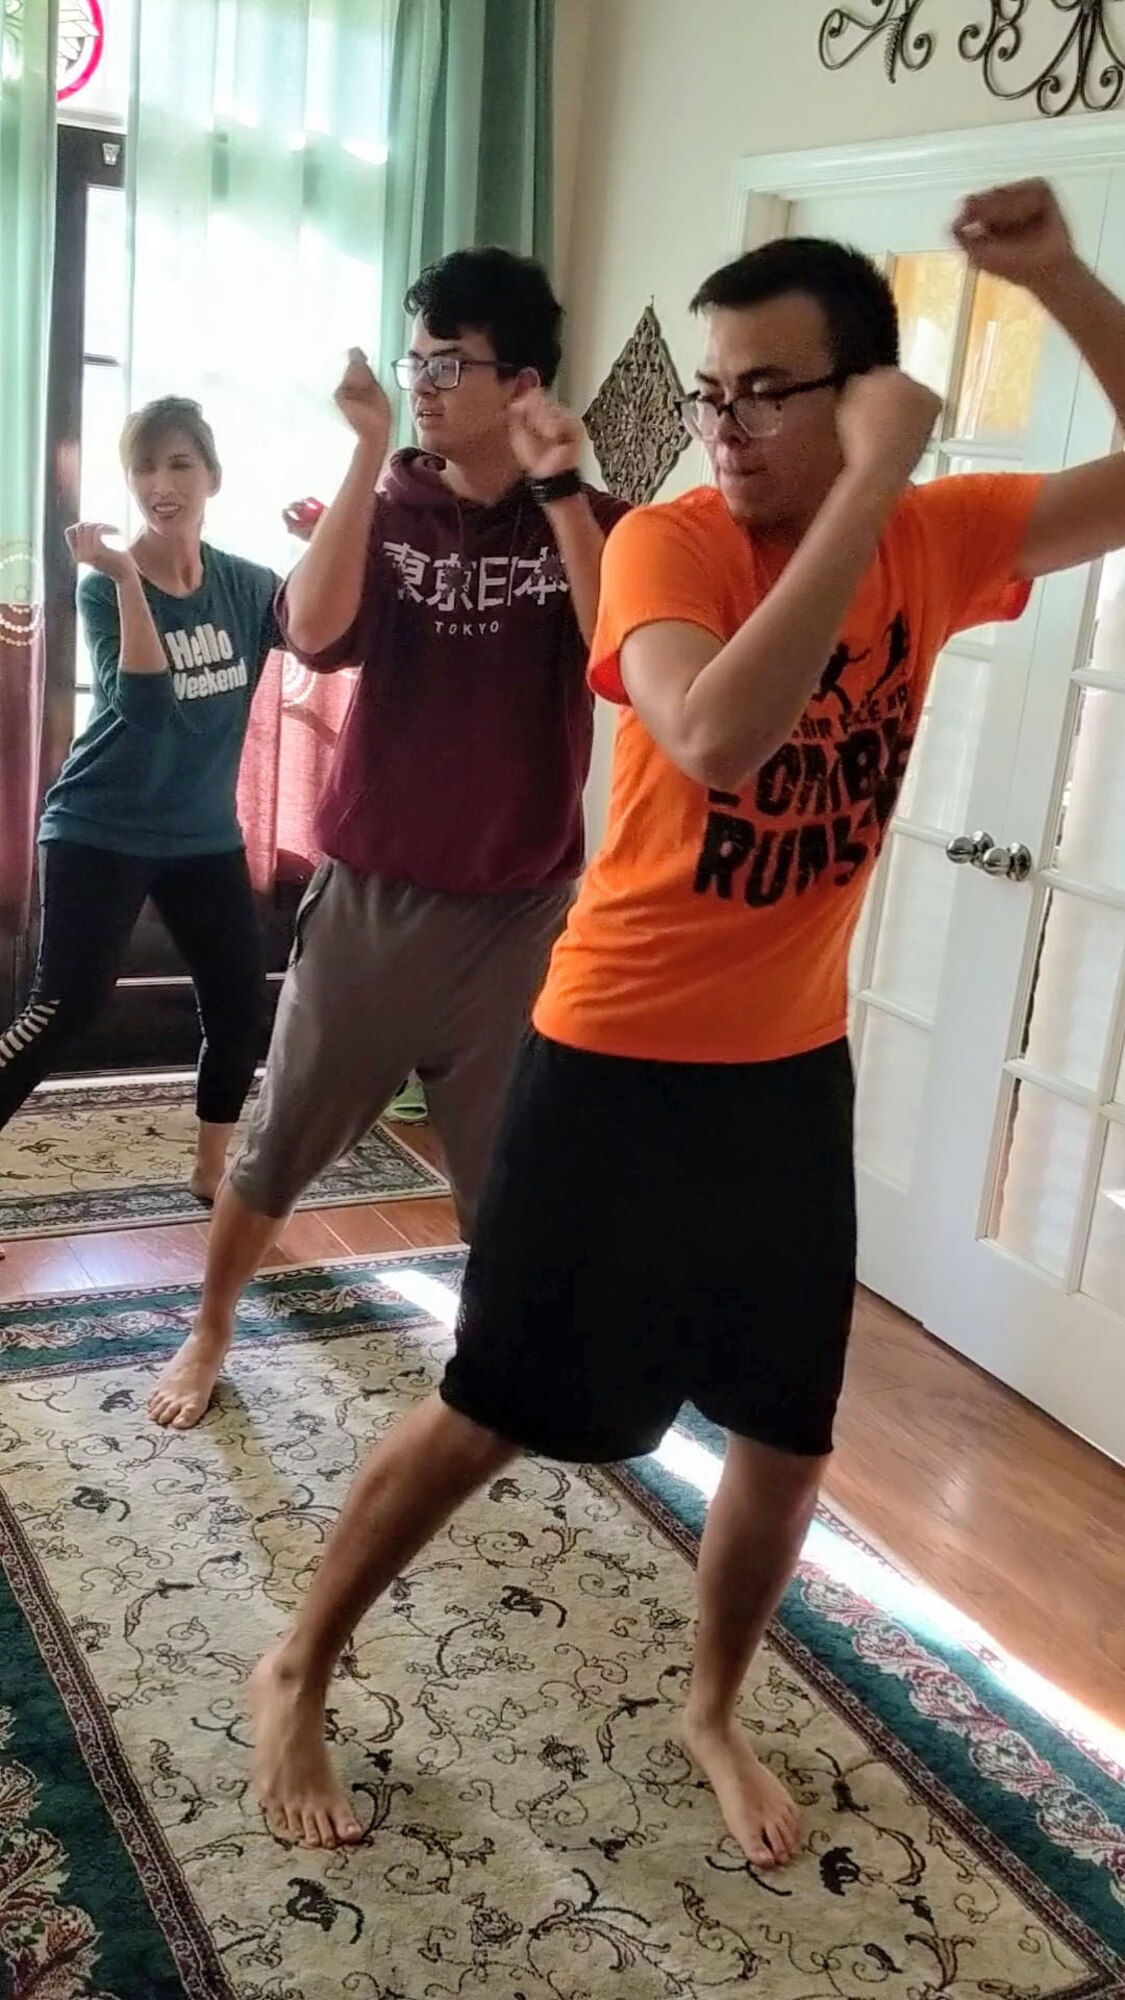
27, 203
470, 138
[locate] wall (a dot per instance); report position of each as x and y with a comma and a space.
674, 93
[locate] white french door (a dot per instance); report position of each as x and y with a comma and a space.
1026, 1263
988, 1004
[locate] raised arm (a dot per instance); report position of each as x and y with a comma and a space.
547, 441
720, 711
1020, 233
323, 593
125, 647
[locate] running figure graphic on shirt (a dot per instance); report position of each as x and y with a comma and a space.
897, 638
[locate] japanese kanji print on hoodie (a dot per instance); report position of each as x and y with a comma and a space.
461, 765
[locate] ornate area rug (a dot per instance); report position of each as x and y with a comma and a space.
506, 1719
113, 1156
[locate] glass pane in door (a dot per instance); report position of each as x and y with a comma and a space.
1103, 1276
1080, 960
1005, 339
892, 1078
1091, 834
915, 919
928, 289
936, 792
107, 274
978, 346
103, 414
1060, 1177
103, 493
1046, 1146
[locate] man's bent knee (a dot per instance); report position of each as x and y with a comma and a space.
473, 1445
788, 1481
266, 1190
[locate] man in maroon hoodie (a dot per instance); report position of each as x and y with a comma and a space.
464, 583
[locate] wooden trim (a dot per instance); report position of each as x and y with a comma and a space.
1083, 145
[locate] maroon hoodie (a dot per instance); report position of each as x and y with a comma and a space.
463, 759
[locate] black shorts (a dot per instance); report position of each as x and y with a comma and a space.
654, 1233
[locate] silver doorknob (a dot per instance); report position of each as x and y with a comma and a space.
970, 848
1014, 863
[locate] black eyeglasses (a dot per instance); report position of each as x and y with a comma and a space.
758, 413
444, 370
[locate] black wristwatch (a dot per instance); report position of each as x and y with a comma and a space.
560, 486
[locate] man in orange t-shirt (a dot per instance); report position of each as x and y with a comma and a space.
671, 1211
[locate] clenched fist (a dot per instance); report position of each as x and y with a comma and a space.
363, 401
885, 419
102, 548
546, 438
1017, 232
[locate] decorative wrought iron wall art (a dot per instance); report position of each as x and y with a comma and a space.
1086, 69
844, 35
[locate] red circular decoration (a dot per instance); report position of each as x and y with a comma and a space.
81, 45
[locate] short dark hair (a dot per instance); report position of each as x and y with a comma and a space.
145, 428
854, 296
494, 292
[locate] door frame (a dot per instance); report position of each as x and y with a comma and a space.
765, 184
81, 161
88, 156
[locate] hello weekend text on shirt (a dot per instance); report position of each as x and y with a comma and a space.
203, 662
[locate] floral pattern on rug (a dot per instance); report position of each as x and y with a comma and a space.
506, 1720
114, 1156
999, 1752
47, 1946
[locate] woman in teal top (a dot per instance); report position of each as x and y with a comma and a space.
178, 635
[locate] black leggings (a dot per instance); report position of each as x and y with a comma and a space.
91, 900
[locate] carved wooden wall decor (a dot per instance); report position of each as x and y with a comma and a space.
634, 421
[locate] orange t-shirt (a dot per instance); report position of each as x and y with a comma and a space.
715, 927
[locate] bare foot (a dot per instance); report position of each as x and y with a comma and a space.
184, 1387
756, 1806
205, 1184
291, 1775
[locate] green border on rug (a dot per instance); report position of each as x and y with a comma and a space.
145, 1323
98, 1874
382, 1167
